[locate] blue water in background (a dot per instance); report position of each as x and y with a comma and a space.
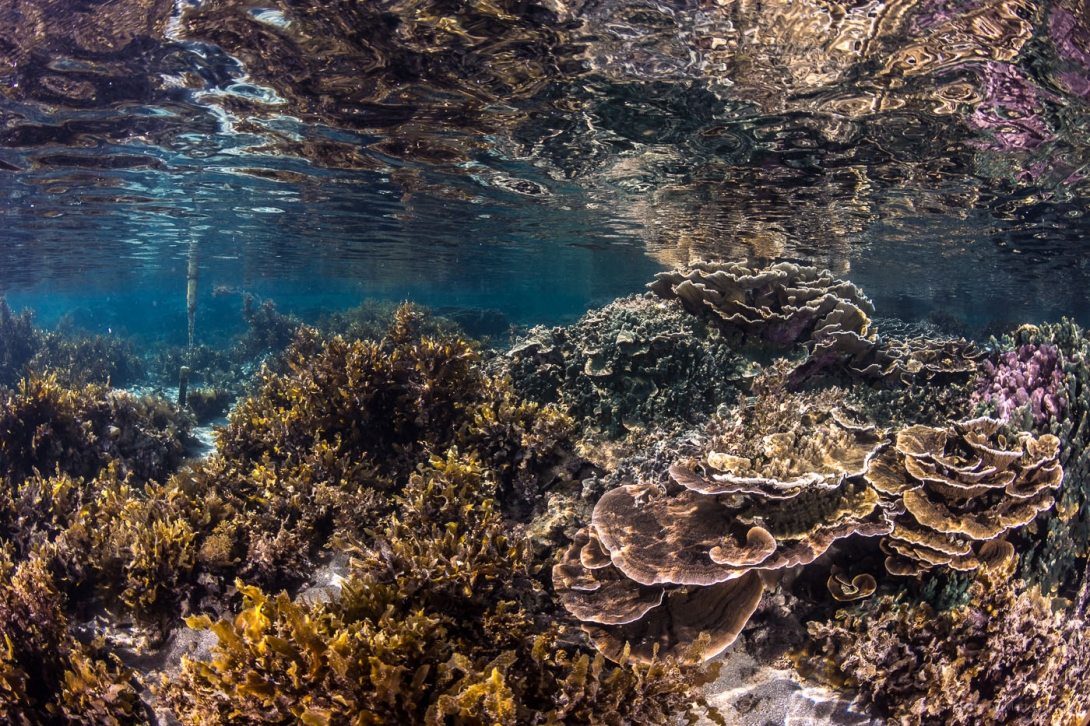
541, 162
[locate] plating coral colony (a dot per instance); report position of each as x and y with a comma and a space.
583, 524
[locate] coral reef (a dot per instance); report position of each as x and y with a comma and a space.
78, 357
961, 487
634, 365
73, 355
785, 304
1031, 376
802, 473
386, 402
208, 402
434, 625
267, 329
758, 461
1009, 657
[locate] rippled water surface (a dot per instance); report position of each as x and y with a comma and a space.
539, 158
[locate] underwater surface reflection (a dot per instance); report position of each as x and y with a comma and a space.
489, 145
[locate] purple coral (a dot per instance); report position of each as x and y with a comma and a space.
1030, 375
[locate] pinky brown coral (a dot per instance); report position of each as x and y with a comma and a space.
1008, 657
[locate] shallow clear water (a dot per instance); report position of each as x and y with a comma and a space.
187, 180
540, 158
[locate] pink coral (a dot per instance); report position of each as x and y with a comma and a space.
1031, 375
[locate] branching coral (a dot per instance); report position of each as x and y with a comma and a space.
1053, 557
636, 364
1009, 657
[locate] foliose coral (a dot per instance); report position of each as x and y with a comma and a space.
1031, 376
800, 475
1008, 657
785, 304
960, 488
656, 568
